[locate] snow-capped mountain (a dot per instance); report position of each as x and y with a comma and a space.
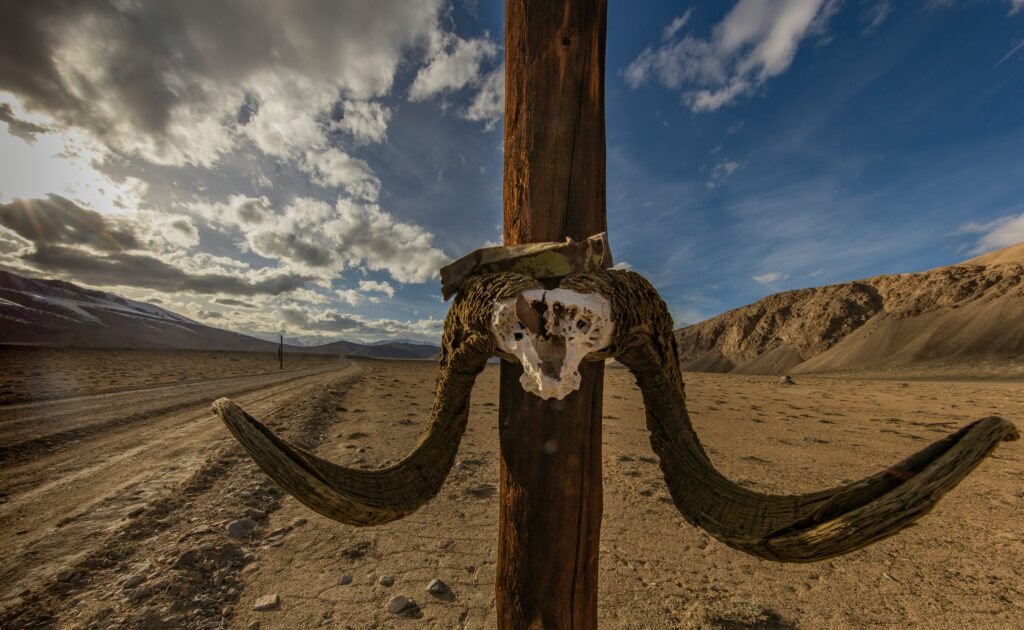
58, 313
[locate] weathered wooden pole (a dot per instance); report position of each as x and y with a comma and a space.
554, 187
280, 353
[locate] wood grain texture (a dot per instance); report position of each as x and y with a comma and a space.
554, 187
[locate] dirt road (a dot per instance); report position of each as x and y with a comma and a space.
73, 469
178, 565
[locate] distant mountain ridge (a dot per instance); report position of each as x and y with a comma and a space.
968, 313
59, 313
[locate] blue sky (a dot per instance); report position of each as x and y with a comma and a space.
307, 167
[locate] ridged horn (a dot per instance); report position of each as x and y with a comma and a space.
796, 528
372, 497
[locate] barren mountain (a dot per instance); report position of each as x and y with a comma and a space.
969, 314
57, 313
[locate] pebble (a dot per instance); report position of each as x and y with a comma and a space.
397, 604
345, 579
267, 602
786, 380
299, 522
386, 580
253, 626
437, 587
256, 515
241, 528
134, 580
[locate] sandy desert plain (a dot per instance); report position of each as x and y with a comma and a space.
117, 485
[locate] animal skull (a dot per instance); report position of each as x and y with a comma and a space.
550, 332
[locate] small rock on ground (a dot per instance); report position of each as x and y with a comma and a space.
267, 602
398, 603
386, 580
437, 587
241, 528
345, 579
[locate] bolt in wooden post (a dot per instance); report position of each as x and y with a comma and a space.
554, 187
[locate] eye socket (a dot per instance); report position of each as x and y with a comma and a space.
518, 336
582, 325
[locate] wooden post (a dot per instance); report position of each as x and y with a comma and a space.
280, 353
554, 187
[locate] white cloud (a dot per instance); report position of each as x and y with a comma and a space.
315, 237
363, 234
62, 163
879, 13
1016, 6
488, 105
349, 296
287, 106
455, 63
676, 24
768, 278
365, 121
238, 211
372, 286
296, 319
996, 234
333, 168
1011, 52
170, 84
755, 41
721, 172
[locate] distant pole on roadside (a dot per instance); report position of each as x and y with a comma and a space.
280, 353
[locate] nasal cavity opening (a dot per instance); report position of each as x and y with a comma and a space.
551, 352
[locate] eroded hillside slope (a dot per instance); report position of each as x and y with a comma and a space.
964, 314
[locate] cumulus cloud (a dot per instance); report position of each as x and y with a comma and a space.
238, 210
768, 278
488, 106
995, 234
172, 82
365, 121
150, 272
298, 319
372, 286
17, 127
142, 251
454, 64
234, 302
755, 41
364, 234
39, 159
56, 220
334, 168
310, 235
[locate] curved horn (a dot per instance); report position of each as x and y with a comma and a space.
373, 497
797, 528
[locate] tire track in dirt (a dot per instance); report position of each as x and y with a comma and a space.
27, 429
58, 506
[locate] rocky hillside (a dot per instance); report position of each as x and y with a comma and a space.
964, 314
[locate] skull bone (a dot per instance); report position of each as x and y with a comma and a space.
572, 325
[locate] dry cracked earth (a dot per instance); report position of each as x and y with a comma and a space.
135, 509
